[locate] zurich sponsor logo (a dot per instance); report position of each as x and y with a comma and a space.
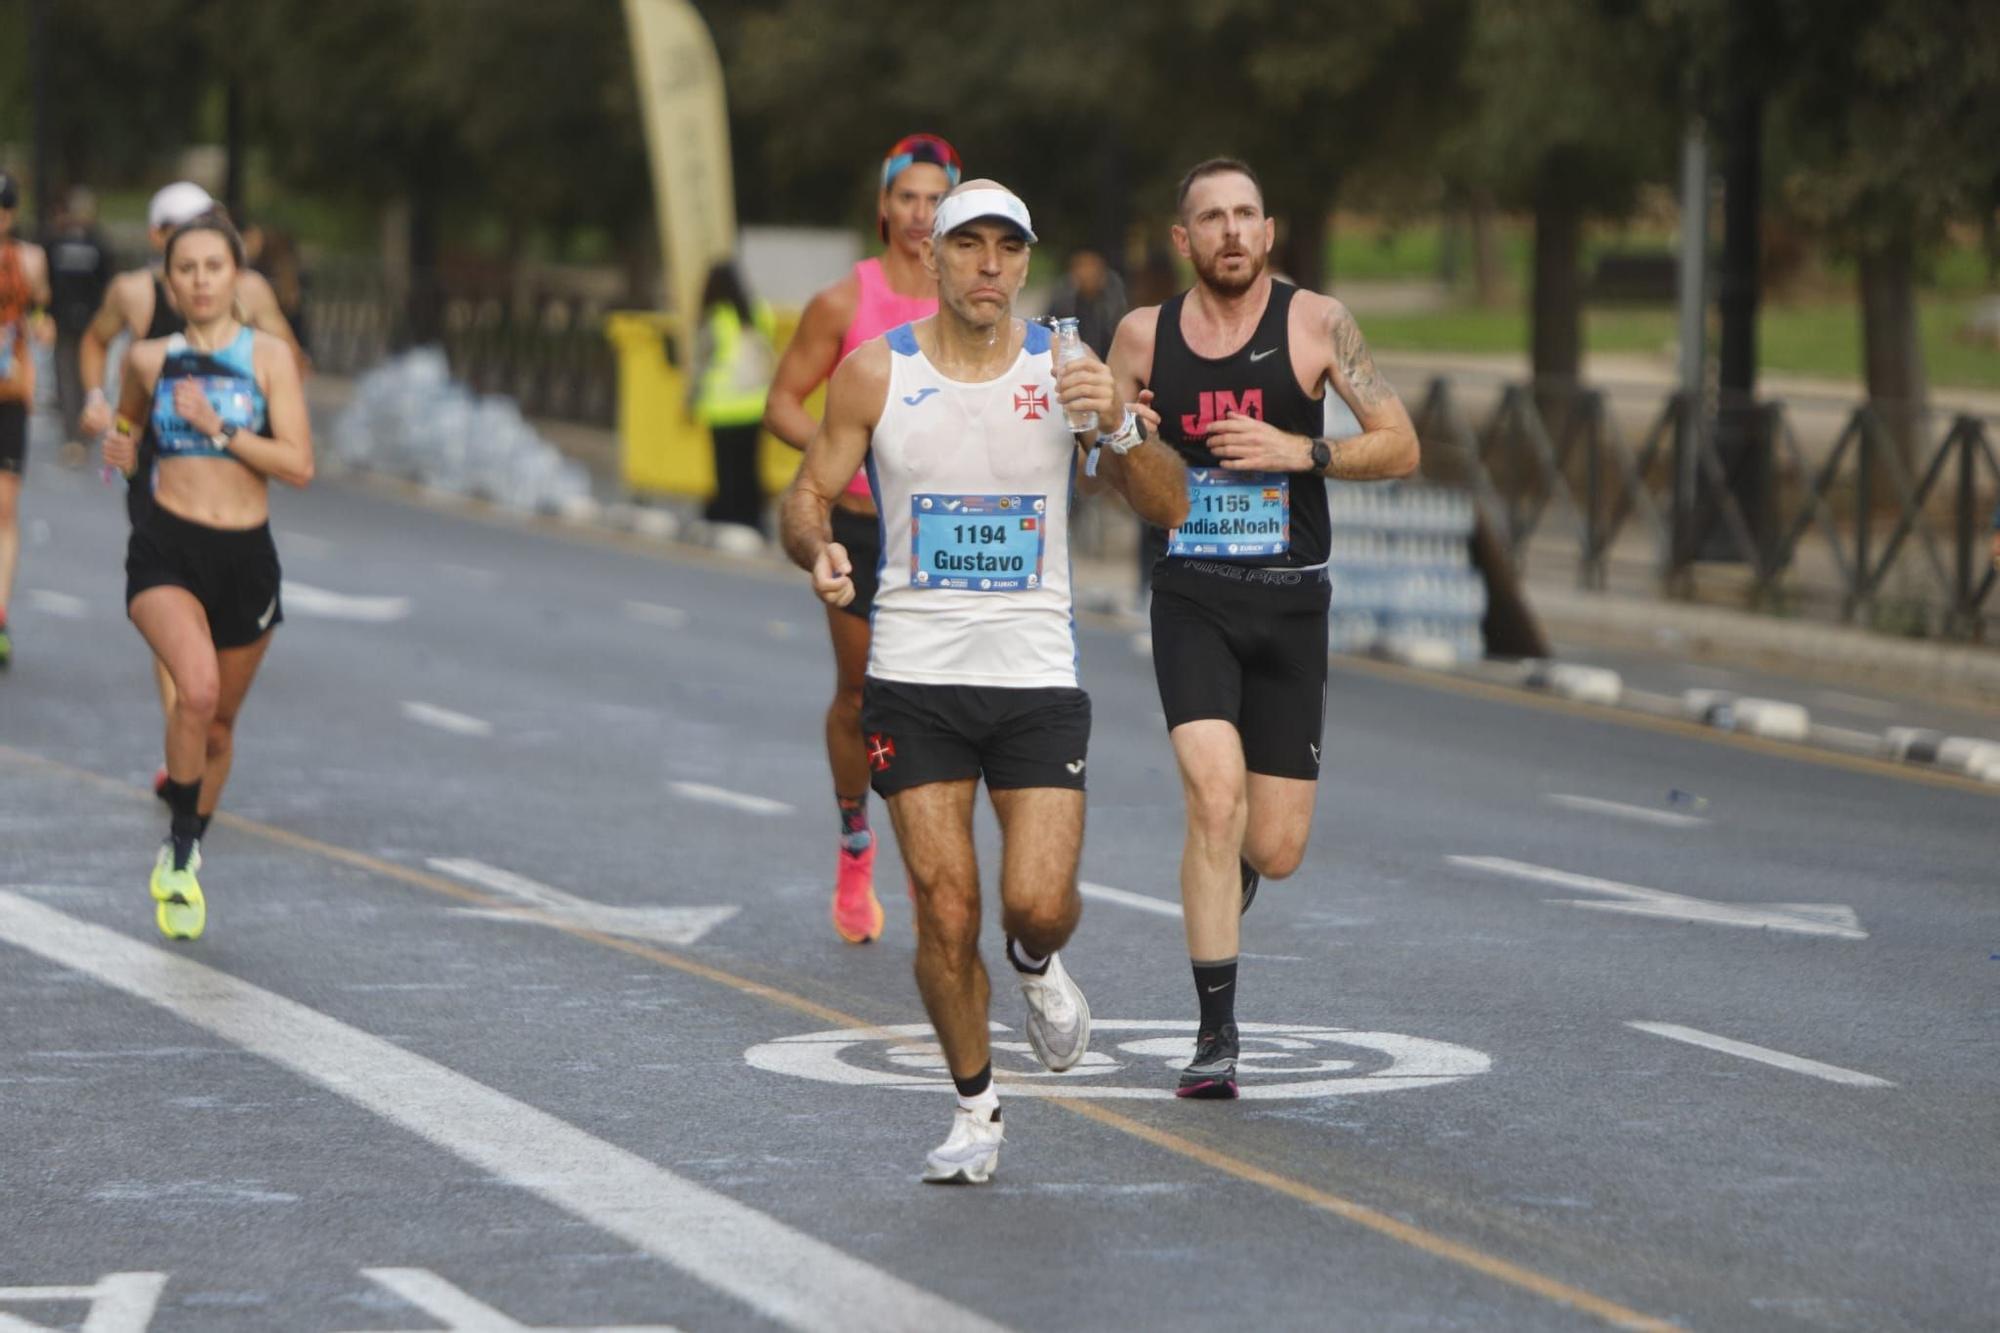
1040, 504
925, 502
921, 394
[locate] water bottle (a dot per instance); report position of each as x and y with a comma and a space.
1069, 347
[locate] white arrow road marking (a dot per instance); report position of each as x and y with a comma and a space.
1835, 919
734, 800
307, 600
1798, 1064
60, 604
462, 1313
651, 613
1619, 810
444, 719
119, 1303
782, 1274
659, 925
1126, 898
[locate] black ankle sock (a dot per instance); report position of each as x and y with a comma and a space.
969, 1088
1215, 987
1014, 957
201, 825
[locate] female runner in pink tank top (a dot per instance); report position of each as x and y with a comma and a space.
878, 295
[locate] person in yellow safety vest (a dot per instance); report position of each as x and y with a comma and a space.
727, 381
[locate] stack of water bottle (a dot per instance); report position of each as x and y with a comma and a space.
1401, 570
410, 419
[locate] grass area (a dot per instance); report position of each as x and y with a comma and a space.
1820, 339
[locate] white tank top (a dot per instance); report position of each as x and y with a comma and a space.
973, 483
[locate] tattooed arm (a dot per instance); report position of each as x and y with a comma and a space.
1387, 445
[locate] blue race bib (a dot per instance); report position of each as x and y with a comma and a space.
1234, 515
977, 543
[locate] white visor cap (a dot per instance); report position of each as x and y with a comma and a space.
972, 205
183, 201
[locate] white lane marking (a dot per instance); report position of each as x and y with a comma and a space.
461, 1312
783, 1274
1798, 1064
660, 925
471, 574
734, 800
1835, 919
1619, 810
119, 1303
444, 719
651, 613
1287, 1061
60, 604
1857, 703
307, 600
1126, 898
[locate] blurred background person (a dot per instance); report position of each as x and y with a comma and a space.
1091, 293
728, 380
274, 253
80, 268
24, 287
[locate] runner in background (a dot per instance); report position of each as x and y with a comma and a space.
878, 295
24, 288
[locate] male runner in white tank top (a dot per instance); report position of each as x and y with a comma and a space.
972, 669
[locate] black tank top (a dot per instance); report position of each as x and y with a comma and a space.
166, 319
1190, 391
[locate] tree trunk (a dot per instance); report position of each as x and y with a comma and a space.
1556, 309
1302, 256
1892, 355
1486, 277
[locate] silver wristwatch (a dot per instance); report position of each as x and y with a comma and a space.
1129, 435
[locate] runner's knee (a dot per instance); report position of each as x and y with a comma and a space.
1217, 808
197, 694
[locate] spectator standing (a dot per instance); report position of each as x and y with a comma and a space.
727, 384
80, 268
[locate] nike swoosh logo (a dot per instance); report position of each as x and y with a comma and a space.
1259, 356
264, 621
1224, 986
1315, 750
920, 395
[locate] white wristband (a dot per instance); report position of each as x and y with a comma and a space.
1129, 435
94, 396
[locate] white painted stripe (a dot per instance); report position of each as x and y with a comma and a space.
444, 719
781, 1273
734, 800
680, 926
1125, 898
50, 602
1798, 1064
1835, 919
651, 613
1619, 810
307, 600
472, 574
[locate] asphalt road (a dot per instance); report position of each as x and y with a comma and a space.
520, 1008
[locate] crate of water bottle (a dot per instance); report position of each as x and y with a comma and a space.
1397, 507
1350, 631
1461, 633
1396, 550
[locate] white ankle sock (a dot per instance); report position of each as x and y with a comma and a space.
986, 1102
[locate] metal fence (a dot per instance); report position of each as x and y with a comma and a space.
541, 345
1890, 537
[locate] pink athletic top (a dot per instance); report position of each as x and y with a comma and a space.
879, 309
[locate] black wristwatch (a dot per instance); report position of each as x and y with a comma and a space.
1322, 457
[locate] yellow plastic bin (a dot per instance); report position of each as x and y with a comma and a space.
661, 449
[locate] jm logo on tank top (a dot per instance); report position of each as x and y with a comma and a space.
1217, 404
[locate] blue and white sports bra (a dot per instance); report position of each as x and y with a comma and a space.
228, 376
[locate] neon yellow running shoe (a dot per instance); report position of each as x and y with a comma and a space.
182, 912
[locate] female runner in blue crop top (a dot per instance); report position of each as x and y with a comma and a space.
226, 413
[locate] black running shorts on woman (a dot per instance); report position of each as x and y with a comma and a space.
13, 438
861, 534
919, 734
232, 572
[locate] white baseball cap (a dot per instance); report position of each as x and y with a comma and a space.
990, 201
183, 201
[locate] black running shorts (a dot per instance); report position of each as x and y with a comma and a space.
1253, 656
919, 734
232, 572
861, 534
14, 438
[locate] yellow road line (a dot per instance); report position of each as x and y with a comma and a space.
1670, 726
1360, 1214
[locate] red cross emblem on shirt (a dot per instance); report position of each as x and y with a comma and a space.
880, 751
1031, 402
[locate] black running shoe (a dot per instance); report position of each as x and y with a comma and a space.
1211, 1075
1251, 879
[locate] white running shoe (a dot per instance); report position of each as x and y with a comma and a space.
1058, 1016
970, 1154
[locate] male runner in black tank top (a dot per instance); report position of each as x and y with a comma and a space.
1237, 367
